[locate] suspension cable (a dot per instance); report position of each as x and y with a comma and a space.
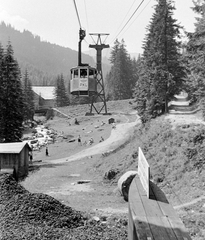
86, 15
126, 15
138, 15
77, 13
130, 18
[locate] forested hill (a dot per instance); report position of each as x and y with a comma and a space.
43, 60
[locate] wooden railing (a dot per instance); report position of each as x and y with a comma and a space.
151, 217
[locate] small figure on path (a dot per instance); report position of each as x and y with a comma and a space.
102, 123
46, 150
101, 139
79, 140
91, 141
76, 121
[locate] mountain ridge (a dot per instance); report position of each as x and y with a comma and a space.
43, 60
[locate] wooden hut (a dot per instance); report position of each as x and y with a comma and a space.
15, 156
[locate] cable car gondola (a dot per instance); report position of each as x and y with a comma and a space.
83, 81
83, 77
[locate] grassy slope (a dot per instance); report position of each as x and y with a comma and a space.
176, 157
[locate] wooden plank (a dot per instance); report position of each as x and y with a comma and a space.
169, 229
179, 229
162, 201
138, 187
138, 215
167, 209
131, 227
135, 201
173, 220
154, 218
142, 228
151, 206
160, 230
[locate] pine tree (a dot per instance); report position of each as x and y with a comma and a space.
28, 98
114, 51
11, 98
60, 92
120, 81
162, 61
195, 56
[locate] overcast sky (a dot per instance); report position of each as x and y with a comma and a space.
56, 20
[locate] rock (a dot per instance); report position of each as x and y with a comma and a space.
111, 120
97, 219
111, 174
124, 183
83, 181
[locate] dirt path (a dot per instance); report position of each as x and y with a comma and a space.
118, 136
190, 203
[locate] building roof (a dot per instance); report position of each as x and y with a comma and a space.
14, 147
46, 92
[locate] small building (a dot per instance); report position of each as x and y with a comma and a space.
44, 97
15, 156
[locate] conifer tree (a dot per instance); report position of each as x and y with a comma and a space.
60, 92
162, 60
120, 81
28, 97
114, 52
11, 98
195, 56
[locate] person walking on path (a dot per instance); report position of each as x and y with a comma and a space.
101, 139
47, 151
79, 141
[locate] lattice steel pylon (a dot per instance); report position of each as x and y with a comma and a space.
99, 97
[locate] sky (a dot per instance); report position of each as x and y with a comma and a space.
56, 21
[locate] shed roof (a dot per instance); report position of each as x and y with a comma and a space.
14, 147
46, 92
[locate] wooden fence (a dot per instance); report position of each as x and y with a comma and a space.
151, 217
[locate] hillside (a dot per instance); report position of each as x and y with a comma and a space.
43, 60
172, 144
174, 148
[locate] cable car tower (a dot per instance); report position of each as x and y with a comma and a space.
99, 95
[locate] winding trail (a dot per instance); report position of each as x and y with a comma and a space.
118, 136
190, 203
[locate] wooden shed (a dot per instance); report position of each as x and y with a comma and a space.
15, 156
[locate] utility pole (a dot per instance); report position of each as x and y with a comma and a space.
100, 94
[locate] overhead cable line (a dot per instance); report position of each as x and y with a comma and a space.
138, 15
77, 13
130, 18
126, 15
87, 26
86, 15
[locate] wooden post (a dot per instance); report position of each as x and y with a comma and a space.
143, 171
